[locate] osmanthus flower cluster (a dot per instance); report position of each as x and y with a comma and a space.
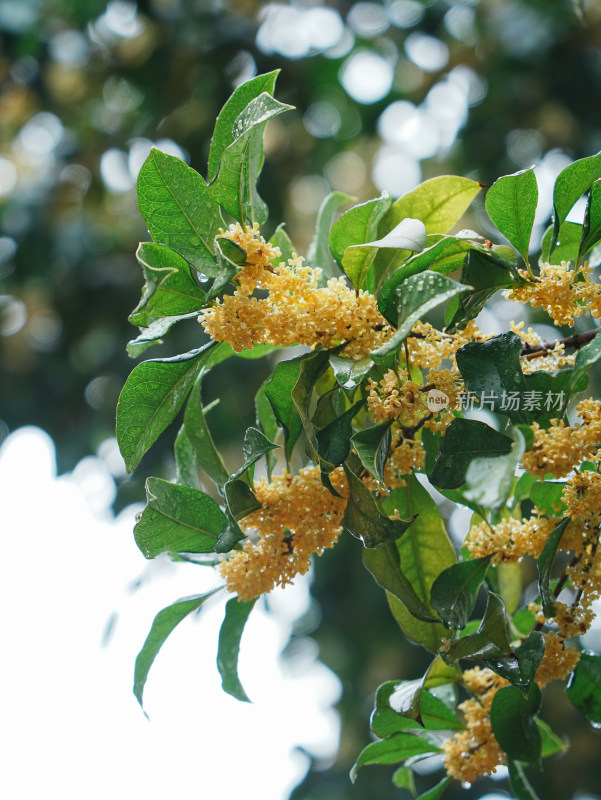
377, 403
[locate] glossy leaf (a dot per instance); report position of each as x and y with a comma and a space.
372, 446
591, 230
196, 428
281, 239
490, 640
567, 246
154, 333
519, 783
519, 668
228, 648
170, 288
544, 564
551, 742
178, 209
418, 295
511, 204
572, 182
319, 253
163, 624
454, 591
177, 519
513, 724
152, 396
311, 368
223, 135
358, 225
436, 791
350, 373
464, 441
489, 479
185, 461
334, 441
235, 186
278, 391
584, 689
393, 750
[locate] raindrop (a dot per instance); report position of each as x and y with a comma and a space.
466, 785
595, 725
202, 277
138, 516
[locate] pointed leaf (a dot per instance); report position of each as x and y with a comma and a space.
513, 724
519, 668
163, 624
196, 428
319, 253
154, 333
278, 391
281, 239
311, 368
185, 461
178, 209
350, 373
358, 225
236, 616
511, 204
390, 751
544, 564
455, 590
436, 791
177, 519
567, 246
372, 446
490, 640
152, 396
591, 231
334, 441
584, 690
520, 785
572, 182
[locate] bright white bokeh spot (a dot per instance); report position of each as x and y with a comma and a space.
325, 27
395, 171
322, 119
69, 47
297, 32
81, 601
366, 76
405, 13
13, 315
460, 23
139, 150
402, 123
8, 176
346, 172
427, 52
368, 20
40, 135
114, 171
121, 19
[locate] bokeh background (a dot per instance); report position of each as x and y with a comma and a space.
387, 94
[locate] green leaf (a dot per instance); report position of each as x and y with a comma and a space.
513, 724
163, 624
392, 750
505, 579
591, 230
372, 446
567, 246
319, 253
154, 333
546, 495
490, 640
334, 441
403, 779
584, 690
228, 649
178, 210
228, 257
170, 288
489, 479
267, 423
241, 162
177, 519
418, 295
551, 742
519, 668
520, 785
152, 396
311, 368
454, 591
544, 565
281, 239
436, 791
358, 225
196, 428
511, 204
572, 182
363, 517
438, 202
464, 441
386, 719
491, 370
185, 461
223, 135
423, 552
256, 445
350, 373
278, 391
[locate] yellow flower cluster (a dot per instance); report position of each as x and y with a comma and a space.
396, 397
511, 539
299, 517
296, 309
564, 293
558, 660
475, 751
428, 346
559, 448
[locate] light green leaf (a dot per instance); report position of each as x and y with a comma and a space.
228, 650
185, 461
319, 254
358, 225
511, 204
278, 391
372, 446
154, 333
584, 690
177, 519
195, 425
567, 246
152, 396
572, 182
163, 624
178, 210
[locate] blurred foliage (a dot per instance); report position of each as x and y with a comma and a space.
387, 94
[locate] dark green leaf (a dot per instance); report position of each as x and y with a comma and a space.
228, 257
256, 445
199, 435
544, 564
223, 135
185, 461
464, 441
278, 391
241, 162
154, 333
391, 751
490, 640
177, 519
489, 479
572, 182
350, 373
334, 441
491, 370
319, 253
519, 668
170, 288
454, 591
231, 533
551, 743
178, 210
152, 396
372, 446
311, 368
591, 230
163, 624
240, 501
358, 225
418, 295
513, 724
436, 791
236, 615
386, 719
511, 204
520, 785
584, 689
